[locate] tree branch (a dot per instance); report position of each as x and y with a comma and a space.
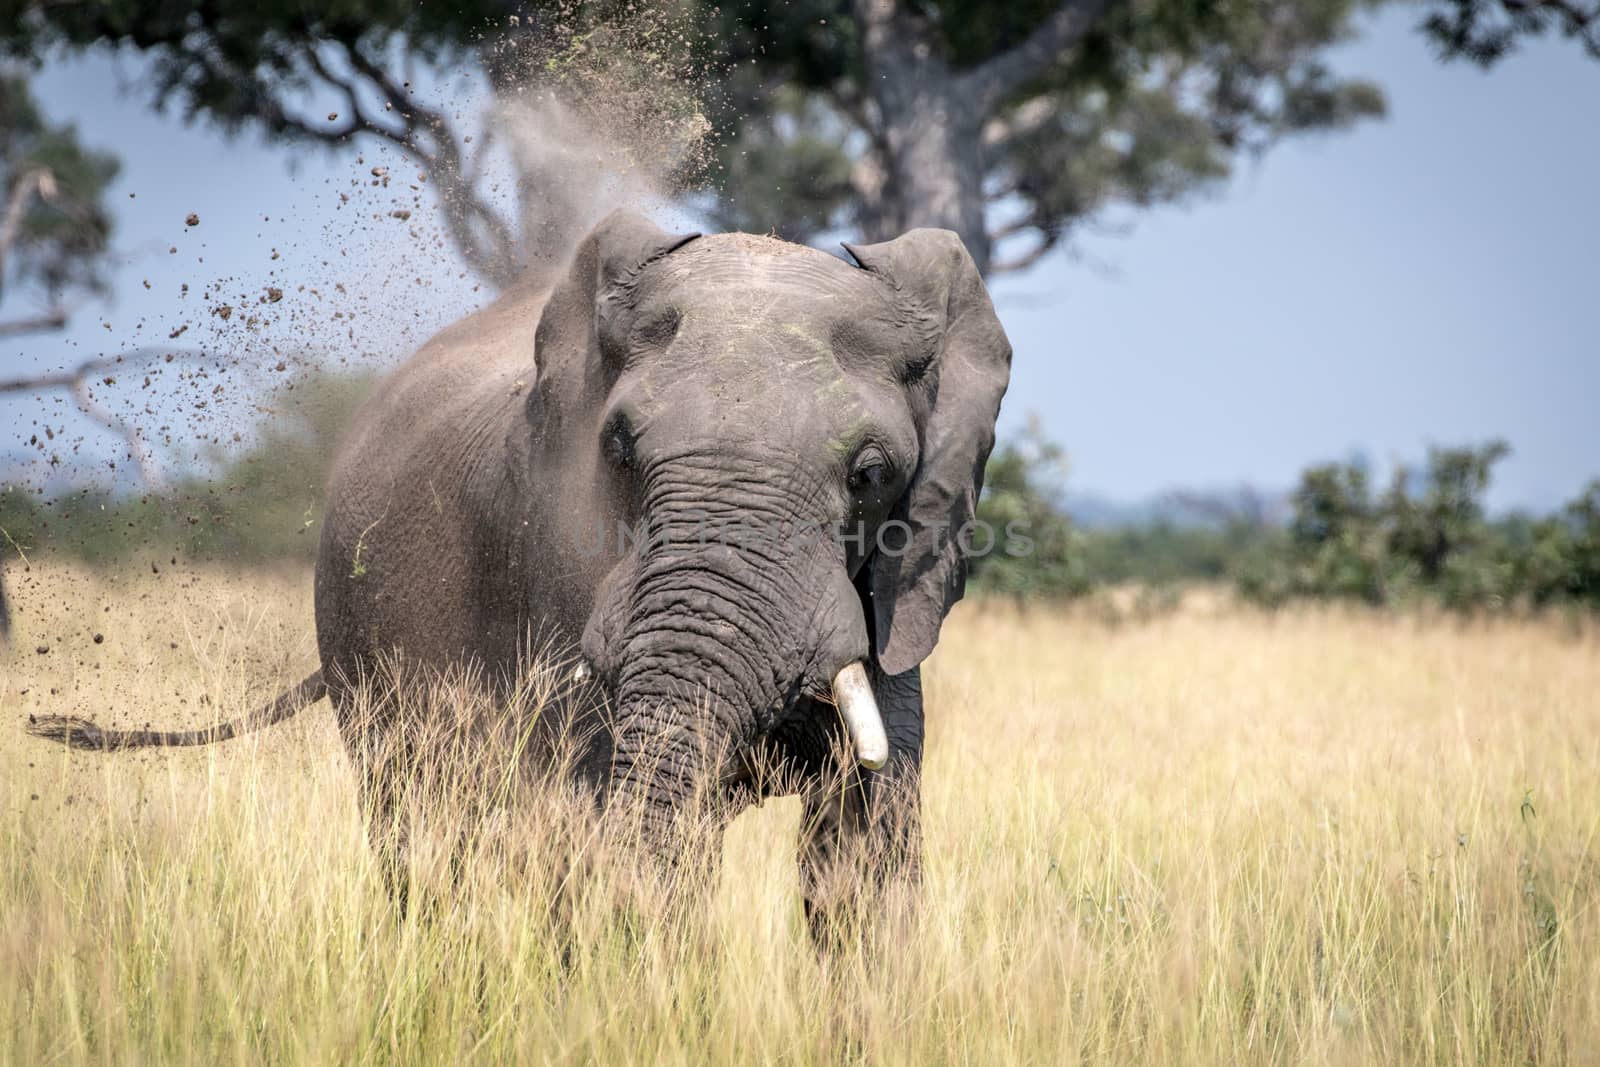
849, 102
1026, 259
1575, 20
464, 210
1022, 225
79, 381
483, 238
39, 180
1001, 75
1024, 119
53, 319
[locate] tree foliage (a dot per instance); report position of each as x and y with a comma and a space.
1486, 31
1131, 105
1016, 124
55, 229
1013, 124
1427, 538
1030, 548
276, 66
261, 503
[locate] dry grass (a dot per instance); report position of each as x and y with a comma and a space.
1210, 837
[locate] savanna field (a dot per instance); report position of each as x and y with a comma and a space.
1212, 835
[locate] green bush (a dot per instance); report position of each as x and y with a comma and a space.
1046, 556
259, 506
1426, 538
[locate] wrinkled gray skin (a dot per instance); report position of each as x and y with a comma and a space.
667, 378
671, 377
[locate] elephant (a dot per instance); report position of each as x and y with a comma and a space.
664, 378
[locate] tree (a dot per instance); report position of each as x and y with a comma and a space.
54, 227
259, 501
1486, 31
1028, 547
1427, 537
331, 74
1447, 519
1557, 559
1336, 545
1011, 124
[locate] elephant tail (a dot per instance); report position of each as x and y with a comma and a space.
81, 733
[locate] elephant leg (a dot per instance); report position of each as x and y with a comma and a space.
371, 742
861, 831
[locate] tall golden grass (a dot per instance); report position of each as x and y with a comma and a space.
1212, 836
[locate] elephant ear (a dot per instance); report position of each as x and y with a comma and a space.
915, 582
574, 374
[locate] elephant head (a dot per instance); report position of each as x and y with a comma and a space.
793, 444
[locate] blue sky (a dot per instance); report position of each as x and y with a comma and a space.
1431, 278
1425, 279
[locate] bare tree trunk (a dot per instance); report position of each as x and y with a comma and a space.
931, 132
932, 116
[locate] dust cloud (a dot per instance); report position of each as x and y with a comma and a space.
551, 131
201, 430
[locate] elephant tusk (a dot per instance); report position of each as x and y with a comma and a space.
852, 693
579, 674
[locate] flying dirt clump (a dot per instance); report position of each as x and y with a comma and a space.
553, 127
594, 118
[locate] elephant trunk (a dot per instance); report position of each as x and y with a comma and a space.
721, 639
700, 650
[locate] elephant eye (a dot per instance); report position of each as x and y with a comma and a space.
913, 371
659, 330
617, 442
869, 471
